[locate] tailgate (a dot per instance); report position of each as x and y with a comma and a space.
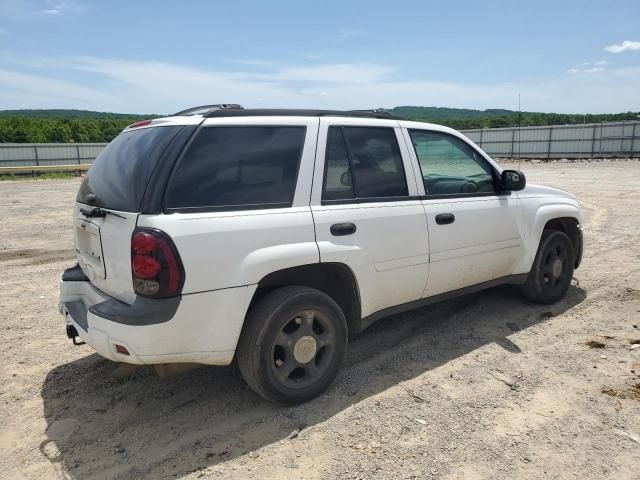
103, 249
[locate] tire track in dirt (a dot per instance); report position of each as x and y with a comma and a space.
36, 256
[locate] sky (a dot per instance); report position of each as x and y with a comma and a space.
162, 56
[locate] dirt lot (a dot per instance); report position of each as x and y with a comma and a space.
483, 387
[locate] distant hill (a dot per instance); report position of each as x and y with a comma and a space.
462, 118
27, 126
69, 114
448, 113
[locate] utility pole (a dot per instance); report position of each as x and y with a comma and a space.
519, 125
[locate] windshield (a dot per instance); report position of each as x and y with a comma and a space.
119, 176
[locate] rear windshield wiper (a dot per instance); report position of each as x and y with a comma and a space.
97, 212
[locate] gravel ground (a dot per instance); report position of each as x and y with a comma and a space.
484, 387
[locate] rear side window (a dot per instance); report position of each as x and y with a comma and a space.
252, 167
119, 176
363, 162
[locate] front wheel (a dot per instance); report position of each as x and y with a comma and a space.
552, 269
292, 344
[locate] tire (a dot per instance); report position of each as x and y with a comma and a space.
552, 269
293, 342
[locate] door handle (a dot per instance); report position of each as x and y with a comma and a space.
445, 218
341, 229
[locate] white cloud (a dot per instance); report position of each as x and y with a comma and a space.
25, 9
156, 87
19, 88
601, 63
622, 47
582, 68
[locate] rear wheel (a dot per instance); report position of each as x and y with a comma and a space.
292, 344
552, 269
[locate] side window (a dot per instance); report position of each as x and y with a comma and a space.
363, 162
238, 166
450, 166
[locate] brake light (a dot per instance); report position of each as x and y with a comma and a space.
141, 123
156, 266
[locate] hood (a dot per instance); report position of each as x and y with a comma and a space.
531, 190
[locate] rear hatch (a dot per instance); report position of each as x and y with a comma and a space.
108, 205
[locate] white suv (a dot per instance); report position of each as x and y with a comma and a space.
272, 236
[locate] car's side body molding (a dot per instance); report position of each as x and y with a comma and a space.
423, 302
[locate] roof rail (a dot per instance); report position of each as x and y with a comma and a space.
204, 109
260, 112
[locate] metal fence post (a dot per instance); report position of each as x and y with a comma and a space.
633, 139
513, 136
549, 142
78, 152
482, 130
35, 151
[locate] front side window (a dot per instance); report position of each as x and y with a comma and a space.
449, 165
238, 166
363, 162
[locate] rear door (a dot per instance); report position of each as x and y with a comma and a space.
474, 229
108, 204
367, 212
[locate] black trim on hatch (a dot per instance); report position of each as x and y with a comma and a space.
143, 311
152, 199
74, 274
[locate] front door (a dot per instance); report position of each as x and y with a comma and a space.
474, 229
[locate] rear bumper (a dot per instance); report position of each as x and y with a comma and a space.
195, 328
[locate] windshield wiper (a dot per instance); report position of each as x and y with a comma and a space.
97, 212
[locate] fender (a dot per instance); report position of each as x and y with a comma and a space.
537, 215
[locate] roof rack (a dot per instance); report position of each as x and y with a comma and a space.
204, 109
262, 112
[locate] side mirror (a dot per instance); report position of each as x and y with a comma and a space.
512, 180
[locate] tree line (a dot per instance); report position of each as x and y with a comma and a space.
21, 129
464, 119
80, 126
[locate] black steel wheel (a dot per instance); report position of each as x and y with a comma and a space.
292, 344
552, 269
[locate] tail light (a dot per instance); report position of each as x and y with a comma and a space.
155, 264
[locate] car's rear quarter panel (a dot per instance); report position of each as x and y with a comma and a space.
229, 249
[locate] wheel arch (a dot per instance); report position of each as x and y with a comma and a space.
334, 279
572, 228
565, 218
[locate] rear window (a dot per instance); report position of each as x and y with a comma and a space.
245, 167
120, 174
